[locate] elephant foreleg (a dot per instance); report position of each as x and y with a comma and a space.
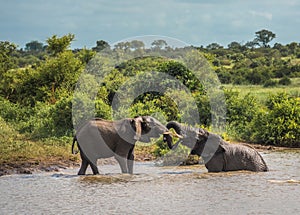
122, 162
130, 160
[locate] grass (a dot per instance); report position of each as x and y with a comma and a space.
261, 93
17, 151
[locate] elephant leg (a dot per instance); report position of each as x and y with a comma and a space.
216, 163
122, 162
130, 160
83, 167
94, 167
84, 164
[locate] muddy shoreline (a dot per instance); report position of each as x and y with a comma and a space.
30, 167
55, 165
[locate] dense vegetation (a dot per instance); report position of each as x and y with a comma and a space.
37, 85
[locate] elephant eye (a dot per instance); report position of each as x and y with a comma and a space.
145, 124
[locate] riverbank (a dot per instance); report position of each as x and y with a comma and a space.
21, 156
31, 166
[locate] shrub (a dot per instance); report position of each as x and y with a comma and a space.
240, 112
270, 83
285, 81
225, 62
278, 123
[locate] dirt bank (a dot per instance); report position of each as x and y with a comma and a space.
31, 166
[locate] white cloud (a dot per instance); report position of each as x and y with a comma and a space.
266, 15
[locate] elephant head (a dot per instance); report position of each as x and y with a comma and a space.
188, 136
147, 127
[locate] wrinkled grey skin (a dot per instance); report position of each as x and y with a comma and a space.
99, 138
217, 154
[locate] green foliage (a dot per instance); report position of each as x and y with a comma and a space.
85, 55
270, 83
58, 77
58, 45
34, 46
240, 111
7, 60
102, 109
264, 37
180, 72
11, 112
18, 151
285, 81
279, 124
276, 123
100, 45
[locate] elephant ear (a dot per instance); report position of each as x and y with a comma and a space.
138, 127
213, 145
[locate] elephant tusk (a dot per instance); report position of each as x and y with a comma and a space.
177, 135
173, 134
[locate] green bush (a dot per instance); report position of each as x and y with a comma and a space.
279, 123
285, 81
276, 123
61, 115
270, 83
240, 112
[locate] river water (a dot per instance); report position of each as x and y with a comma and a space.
158, 190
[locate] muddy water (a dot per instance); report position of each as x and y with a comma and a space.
158, 190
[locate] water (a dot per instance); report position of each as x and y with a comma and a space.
158, 190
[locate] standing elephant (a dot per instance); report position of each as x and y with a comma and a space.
217, 154
99, 138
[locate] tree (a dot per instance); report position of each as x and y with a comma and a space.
125, 46
136, 44
58, 45
34, 46
234, 46
6, 56
214, 46
100, 45
58, 77
251, 44
85, 55
263, 37
293, 48
159, 44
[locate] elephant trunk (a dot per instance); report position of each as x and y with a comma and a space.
177, 127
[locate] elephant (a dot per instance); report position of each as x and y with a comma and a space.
218, 155
100, 138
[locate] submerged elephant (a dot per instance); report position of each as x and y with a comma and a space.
217, 154
99, 138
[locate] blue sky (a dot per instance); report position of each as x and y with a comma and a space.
195, 22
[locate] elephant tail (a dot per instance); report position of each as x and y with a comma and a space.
73, 144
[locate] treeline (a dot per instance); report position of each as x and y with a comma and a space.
256, 62
37, 86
